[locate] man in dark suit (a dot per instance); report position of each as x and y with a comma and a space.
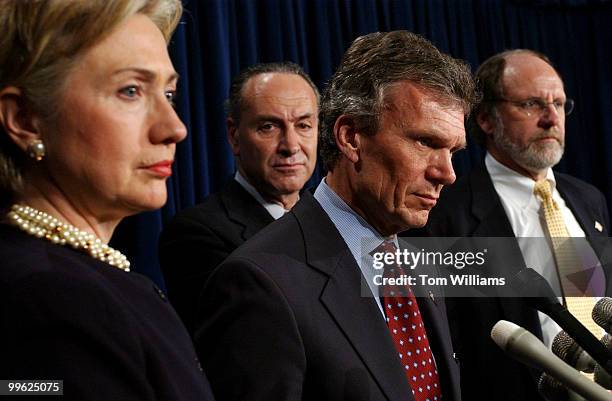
521, 122
286, 316
272, 129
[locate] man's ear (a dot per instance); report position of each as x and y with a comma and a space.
347, 137
486, 122
17, 118
232, 136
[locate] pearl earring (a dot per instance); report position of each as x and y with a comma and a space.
36, 150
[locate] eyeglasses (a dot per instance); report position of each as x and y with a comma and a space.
537, 107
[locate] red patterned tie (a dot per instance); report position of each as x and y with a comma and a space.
409, 335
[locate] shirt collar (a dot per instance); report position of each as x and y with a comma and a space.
513, 186
276, 211
353, 228
360, 237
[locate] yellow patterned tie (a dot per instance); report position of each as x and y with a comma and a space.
579, 303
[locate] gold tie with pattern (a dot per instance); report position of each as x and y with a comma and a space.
578, 302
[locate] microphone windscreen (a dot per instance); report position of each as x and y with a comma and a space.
602, 378
551, 388
566, 348
602, 313
606, 340
502, 332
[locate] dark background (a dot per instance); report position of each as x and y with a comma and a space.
217, 38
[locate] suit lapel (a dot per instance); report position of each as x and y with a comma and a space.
244, 210
493, 222
487, 207
581, 210
357, 316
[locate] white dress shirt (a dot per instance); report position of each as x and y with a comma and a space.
276, 211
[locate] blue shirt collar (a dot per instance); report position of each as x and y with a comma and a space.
360, 237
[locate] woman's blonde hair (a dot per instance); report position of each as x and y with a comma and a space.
40, 42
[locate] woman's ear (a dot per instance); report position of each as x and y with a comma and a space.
347, 137
19, 121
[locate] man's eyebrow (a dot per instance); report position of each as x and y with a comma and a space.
461, 146
306, 115
269, 117
439, 137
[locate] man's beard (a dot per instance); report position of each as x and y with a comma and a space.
534, 156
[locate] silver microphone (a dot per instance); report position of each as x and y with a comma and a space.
527, 348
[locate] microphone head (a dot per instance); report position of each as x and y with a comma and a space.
566, 348
523, 346
606, 340
562, 344
602, 378
503, 331
551, 388
602, 313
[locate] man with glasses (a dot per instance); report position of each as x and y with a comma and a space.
521, 123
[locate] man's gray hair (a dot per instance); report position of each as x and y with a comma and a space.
375, 62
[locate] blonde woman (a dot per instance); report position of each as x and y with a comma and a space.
87, 137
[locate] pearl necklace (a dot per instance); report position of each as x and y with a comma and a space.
43, 225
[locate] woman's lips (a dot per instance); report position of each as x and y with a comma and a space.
162, 168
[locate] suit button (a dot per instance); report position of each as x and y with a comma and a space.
199, 365
456, 357
160, 293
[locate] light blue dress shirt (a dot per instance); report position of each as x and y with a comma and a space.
360, 237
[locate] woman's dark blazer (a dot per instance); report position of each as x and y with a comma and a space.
108, 334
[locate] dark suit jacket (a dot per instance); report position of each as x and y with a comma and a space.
198, 239
472, 208
283, 319
110, 335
